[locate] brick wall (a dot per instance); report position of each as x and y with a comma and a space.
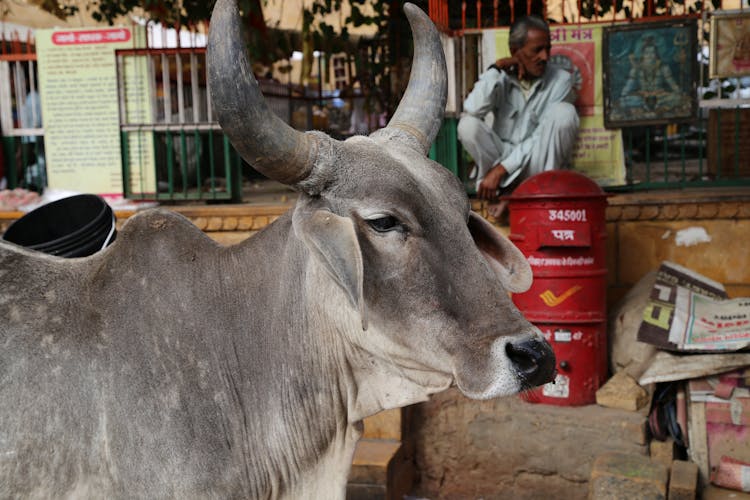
707, 231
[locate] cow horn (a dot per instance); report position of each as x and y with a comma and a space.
420, 113
264, 140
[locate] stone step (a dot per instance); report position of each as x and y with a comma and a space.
622, 476
382, 469
683, 481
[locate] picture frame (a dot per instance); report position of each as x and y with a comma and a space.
650, 73
729, 54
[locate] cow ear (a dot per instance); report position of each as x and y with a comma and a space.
504, 258
333, 240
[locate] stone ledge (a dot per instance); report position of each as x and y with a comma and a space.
667, 210
215, 218
617, 476
688, 204
208, 218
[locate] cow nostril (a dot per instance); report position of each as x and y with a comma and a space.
533, 360
524, 357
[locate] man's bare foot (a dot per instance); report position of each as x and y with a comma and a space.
496, 210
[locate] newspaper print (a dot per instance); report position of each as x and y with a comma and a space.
704, 323
659, 312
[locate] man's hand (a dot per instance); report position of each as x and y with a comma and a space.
511, 65
487, 189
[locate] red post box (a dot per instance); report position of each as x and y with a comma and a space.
557, 219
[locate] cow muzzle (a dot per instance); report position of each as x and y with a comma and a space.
533, 360
512, 365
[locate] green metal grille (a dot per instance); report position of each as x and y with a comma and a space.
445, 148
197, 164
713, 151
23, 163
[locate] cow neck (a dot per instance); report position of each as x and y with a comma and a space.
283, 368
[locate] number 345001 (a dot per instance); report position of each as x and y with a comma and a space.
578, 215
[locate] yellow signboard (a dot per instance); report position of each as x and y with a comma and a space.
80, 111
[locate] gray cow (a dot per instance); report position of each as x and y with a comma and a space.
167, 366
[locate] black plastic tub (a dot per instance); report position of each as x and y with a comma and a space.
76, 226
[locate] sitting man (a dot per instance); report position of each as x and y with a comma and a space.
534, 125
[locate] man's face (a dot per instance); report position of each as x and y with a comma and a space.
534, 54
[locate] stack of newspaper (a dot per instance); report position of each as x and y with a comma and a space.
689, 312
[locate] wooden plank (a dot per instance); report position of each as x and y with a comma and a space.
698, 438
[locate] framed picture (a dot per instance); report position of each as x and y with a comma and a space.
650, 73
730, 44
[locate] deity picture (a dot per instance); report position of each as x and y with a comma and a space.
730, 44
650, 73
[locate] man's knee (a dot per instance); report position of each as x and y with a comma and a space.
563, 115
470, 127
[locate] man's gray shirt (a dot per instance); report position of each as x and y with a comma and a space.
515, 116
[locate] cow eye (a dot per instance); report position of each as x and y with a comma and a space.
385, 223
